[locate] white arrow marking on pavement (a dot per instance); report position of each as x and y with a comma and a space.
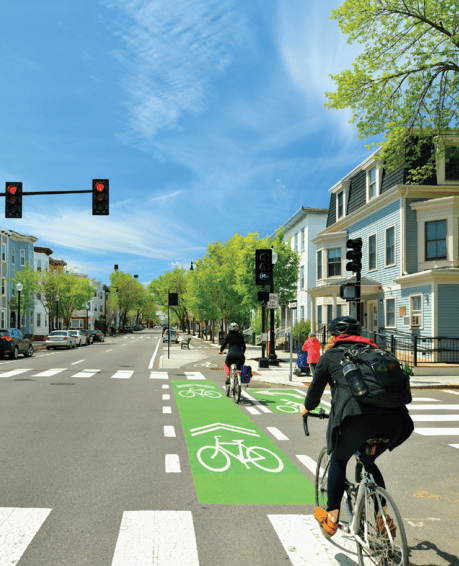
163, 538
455, 445
217, 426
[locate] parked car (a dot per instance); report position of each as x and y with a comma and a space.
80, 337
13, 343
173, 334
97, 335
89, 336
137, 327
128, 329
60, 339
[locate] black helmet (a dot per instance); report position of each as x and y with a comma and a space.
345, 325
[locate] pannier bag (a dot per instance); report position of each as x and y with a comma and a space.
375, 377
246, 374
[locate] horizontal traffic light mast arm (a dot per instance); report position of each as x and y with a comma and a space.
49, 193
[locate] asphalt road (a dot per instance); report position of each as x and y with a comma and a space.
95, 468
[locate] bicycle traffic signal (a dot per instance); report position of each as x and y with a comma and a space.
264, 267
13, 200
354, 254
100, 197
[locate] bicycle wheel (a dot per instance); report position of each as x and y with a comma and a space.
271, 461
385, 538
322, 479
206, 458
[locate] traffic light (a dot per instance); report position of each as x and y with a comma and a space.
13, 200
100, 197
348, 291
264, 267
354, 254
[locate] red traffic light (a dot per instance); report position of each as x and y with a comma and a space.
11, 189
13, 200
100, 205
99, 187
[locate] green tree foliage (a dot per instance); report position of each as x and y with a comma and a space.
174, 281
405, 84
73, 293
126, 294
29, 279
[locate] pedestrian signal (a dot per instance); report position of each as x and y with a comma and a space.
100, 197
13, 200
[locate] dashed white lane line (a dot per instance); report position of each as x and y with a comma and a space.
256, 402
78, 362
166, 397
253, 411
167, 410
165, 386
308, 462
169, 432
277, 433
159, 375
450, 391
172, 464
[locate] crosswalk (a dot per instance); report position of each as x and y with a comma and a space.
168, 538
88, 373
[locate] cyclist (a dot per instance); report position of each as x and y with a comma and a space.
236, 349
351, 423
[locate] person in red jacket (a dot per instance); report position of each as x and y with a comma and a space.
312, 347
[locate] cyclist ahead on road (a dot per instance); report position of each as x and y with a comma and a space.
236, 344
351, 423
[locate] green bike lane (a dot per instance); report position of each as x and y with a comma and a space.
232, 461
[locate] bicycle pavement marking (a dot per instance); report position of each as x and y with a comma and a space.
203, 418
283, 400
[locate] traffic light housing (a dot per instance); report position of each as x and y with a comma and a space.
264, 267
13, 200
354, 253
100, 197
348, 291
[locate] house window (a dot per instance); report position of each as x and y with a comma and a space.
390, 313
436, 240
38, 319
295, 242
301, 277
319, 314
340, 204
3, 319
372, 183
22, 257
302, 245
39, 265
339, 310
334, 262
3, 252
319, 264
13, 260
301, 313
452, 163
390, 246
416, 305
372, 252
329, 314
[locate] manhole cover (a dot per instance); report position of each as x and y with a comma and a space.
62, 383
25, 379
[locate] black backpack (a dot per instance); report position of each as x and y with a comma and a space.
384, 382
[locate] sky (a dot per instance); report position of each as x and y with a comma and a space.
206, 116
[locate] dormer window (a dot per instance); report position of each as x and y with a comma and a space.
372, 180
340, 204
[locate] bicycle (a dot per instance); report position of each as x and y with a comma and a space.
373, 517
234, 386
252, 455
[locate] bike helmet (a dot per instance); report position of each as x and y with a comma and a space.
345, 325
234, 326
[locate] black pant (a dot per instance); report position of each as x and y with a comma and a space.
355, 431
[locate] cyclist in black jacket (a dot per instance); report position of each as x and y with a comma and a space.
351, 423
236, 349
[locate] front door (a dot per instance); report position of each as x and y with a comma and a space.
372, 319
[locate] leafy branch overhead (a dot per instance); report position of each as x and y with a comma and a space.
405, 83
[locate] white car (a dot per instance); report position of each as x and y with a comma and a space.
80, 337
60, 339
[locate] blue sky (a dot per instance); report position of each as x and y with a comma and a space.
207, 117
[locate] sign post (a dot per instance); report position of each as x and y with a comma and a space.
292, 306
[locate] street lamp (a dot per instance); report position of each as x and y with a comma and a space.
87, 316
56, 298
19, 287
273, 361
192, 269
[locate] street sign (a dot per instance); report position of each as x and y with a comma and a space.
273, 302
292, 305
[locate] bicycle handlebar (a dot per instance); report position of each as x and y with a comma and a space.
320, 415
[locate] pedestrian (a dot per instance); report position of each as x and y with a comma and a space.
312, 347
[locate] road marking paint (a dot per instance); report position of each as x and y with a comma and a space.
253, 411
259, 404
165, 386
308, 462
169, 431
426, 399
167, 410
122, 374
17, 530
305, 545
159, 375
166, 397
194, 375
78, 362
455, 445
111, 349
434, 408
123, 344
87, 373
450, 391
163, 538
14, 372
276, 433
150, 365
435, 418
172, 464
437, 431
49, 372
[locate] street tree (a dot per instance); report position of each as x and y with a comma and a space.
74, 293
405, 83
174, 281
126, 293
30, 281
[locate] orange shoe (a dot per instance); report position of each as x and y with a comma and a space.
328, 525
382, 527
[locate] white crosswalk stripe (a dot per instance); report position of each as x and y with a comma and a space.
122, 374
159, 375
14, 372
429, 415
17, 529
86, 373
194, 375
50, 372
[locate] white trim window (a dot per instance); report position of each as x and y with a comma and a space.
319, 265
22, 257
295, 241
340, 205
302, 245
416, 310
38, 319
301, 313
13, 259
448, 162
372, 264
390, 313
372, 182
334, 262
3, 252
301, 277
390, 246
436, 240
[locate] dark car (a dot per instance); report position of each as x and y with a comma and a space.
128, 329
97, 335
89, 336
13, 343
137, 328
